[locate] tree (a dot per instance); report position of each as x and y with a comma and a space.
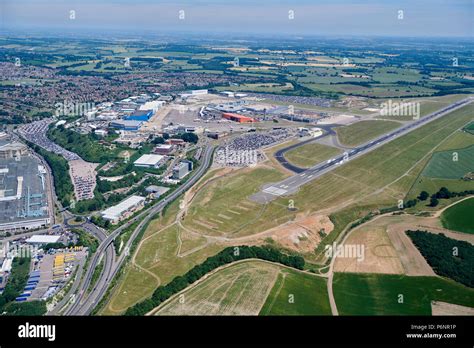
444, 193
434, 201
423, 196
158, 140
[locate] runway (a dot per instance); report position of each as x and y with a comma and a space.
292, 184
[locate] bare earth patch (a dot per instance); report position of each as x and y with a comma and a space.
301, 235
413, 262
379, 255
443, 308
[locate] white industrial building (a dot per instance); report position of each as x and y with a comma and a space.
14, 149
124, 209
39, 239
153, 105
100, 132
312, 132
149, 161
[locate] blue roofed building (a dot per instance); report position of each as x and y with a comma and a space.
140, 115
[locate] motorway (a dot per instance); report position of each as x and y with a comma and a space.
291, 184
85, 302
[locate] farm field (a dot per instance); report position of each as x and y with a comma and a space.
363, 131
388, 90
444, 165
370, 294
379, 255
238, 289
460, 217
470, 128
296, 293
310, 154
459, 140
259, 87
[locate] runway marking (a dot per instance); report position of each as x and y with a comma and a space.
274, 191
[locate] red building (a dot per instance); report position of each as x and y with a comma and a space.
173, 141
238, 118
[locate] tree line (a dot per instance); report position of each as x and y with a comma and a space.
226, 256
443, 193
60, 170
448, 257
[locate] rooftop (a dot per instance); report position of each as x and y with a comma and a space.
22, 190
141, 112
128, 123
117, 210
45, 239
150, 160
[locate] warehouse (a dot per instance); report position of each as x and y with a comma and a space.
12, 149
38, 239
124, 209
127, 125
140, 115
23, 194
238, 118
164, 149
153, 105
149, 161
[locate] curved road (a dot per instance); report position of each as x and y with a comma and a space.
280, 154
85, 303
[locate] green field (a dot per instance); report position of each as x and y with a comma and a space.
363, 131
470, 128
459, 140
460, 217
310, 154
444, 165
296, 293
370, 294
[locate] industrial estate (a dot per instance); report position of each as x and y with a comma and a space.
264, 176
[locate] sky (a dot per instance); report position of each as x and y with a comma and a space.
436, 18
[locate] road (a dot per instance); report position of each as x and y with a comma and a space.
85, 303
280, 154
291, 184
